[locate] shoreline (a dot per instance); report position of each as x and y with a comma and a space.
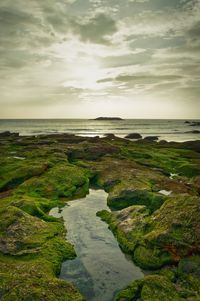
169, 130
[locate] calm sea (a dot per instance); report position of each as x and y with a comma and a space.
170, 130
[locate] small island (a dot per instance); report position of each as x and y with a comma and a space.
108, 118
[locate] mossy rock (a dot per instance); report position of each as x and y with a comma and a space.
21, 233
32, 280
59, 181
154, 229
161, 238
35, 206
189, 274
130, 197
151, 288
151, 258
13, 172
175, 226
158, 288
132, 292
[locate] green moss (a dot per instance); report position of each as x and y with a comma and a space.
169, 273
56, 250
59, 181
106, 216
14, 173
132, 292
21, 233
158, 288
154, 229
35, 206
34, 250
170, 160
151, 288
127, 198
126, 245
151, 258
33, 280
175, 226
189, 274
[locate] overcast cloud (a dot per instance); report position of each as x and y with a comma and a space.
75, 58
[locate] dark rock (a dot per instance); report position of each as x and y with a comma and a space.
111, 136
194, 132
91, 152
133, 136
192, 145
190, 265
163, 142
7, 134
195, 123
151, 138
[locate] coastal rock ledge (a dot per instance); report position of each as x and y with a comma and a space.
154, 197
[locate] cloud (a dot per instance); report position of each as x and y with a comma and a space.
144, 79
65, 51
194, 31
96, 29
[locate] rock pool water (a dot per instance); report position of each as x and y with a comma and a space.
100, 269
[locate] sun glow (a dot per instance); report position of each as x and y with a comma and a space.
85, 71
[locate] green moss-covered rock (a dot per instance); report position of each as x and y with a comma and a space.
33, 279
151, 288
157, 239
14, 172
59, 181
175, 226
127, 198
158, 288
39, 173
151, 258
21, 233
132, 292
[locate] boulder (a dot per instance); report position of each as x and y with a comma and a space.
110, 136
133, 136
8, 134
151, 138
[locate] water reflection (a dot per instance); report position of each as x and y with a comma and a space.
100, 269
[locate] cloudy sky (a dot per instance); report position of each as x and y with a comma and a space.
88, 58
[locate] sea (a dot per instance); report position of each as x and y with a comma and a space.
165, 129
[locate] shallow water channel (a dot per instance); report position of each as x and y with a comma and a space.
100, 269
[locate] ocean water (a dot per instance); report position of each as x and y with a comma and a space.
170, 130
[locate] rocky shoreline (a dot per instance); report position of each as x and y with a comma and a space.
153, 191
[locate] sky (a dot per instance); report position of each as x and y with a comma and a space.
90, 58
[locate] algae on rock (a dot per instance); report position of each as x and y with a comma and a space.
39, 173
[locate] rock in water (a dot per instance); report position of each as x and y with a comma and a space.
151, 138
133, 136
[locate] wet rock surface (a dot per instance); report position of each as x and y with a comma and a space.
160, 232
